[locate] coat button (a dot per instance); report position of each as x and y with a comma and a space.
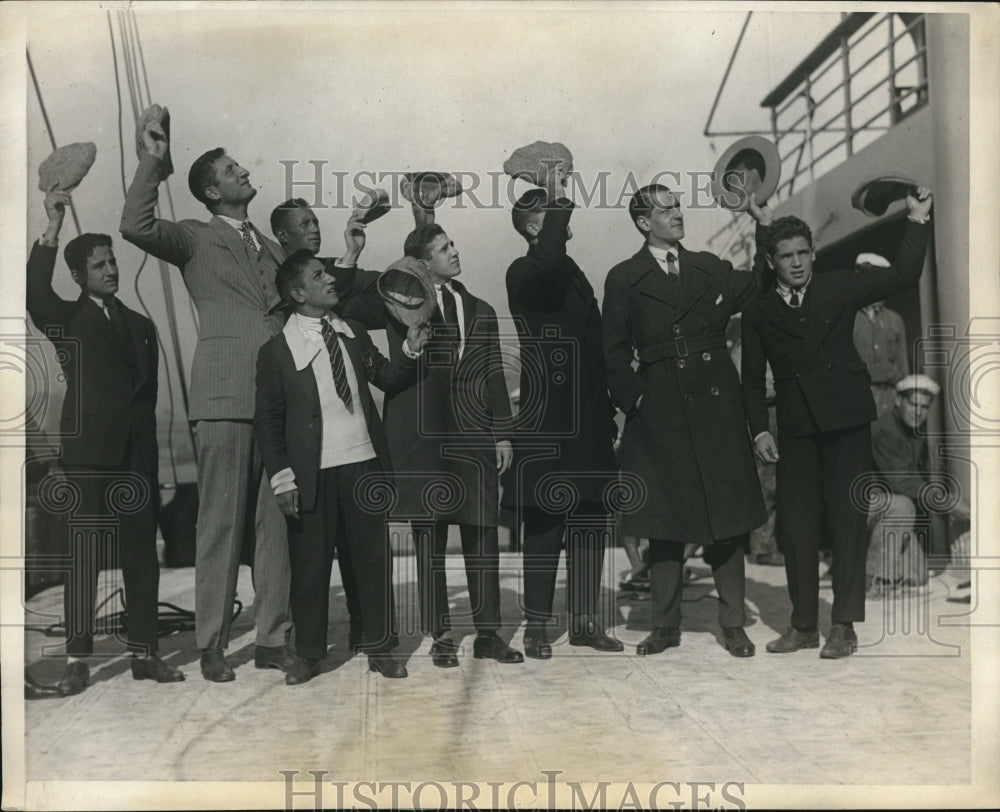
706, 356
715, 391
681, 363
687, 398
676, 329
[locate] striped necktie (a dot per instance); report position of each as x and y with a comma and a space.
672, 268
337, 365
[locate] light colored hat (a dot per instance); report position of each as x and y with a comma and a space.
407, 292
529, 162
66, 167
875, 260
428, 187
919, 382
751, 166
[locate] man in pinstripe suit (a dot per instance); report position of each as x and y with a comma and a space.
228, 267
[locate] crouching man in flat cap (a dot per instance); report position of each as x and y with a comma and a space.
324, 449
899, 448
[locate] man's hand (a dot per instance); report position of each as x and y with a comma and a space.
554, 178
417, 337
155, 140
505, 455
919, 205
289, 503
762, 214
56, 202
354, 239
766, 448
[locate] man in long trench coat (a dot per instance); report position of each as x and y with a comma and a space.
685, 433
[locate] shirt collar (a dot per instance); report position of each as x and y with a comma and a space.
237, 224
661, 254
785, 292
99, 303
312, 324
446, 285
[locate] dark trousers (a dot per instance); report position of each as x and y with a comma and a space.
543, 537
114, 525
815, 474
481, 551
337, 523
666, 580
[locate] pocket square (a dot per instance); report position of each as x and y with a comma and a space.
718, 300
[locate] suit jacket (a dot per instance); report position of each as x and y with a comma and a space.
563, 395
687, 441
359, 296
288, 420
103, 406
234, 294
820, 381
882, 345
901, 456
442, 429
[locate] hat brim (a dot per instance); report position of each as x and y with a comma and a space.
874, 195
751, 167
375, 206
407, 294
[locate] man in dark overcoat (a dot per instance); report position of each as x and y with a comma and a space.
566, 428
449, 441
685, 435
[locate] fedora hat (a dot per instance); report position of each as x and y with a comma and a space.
66, 167
751, 166
428, 187
874, 195
406, 292
529, 162
373, 205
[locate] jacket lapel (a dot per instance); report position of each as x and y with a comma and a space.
777, 314
695, 281
817, 322
234, 242
136, 328
649, 279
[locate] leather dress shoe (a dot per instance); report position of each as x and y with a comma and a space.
35, 690
660, 639
74, 678
594, 636
301, 669
152, 667
737, 643
443, 653
354, 634
214, 667
536, 644
273, 657
840, 642
491, 647
793, 639
387, 666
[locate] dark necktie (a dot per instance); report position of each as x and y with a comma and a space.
450, 313
246, 230
120, 326
337, 364
793, 300
672, 268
